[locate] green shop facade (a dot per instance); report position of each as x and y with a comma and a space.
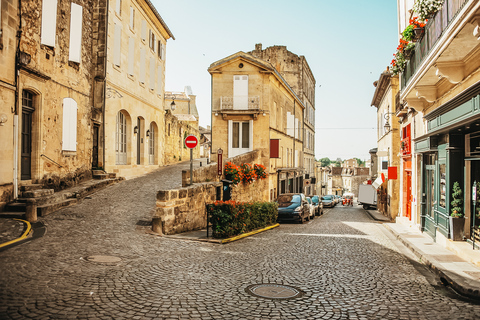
450, 152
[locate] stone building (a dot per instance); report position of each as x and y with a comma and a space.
296, 71
335, 181
438, 107
254, 107
321, 177
47, 98
205, 141
184, 102
352, 177
130, 42
388, 135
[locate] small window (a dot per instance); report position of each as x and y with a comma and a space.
384, 165
159, 50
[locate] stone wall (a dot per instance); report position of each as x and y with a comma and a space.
184, 209
175, 133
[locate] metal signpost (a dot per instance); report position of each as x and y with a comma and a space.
191, 142
219, 161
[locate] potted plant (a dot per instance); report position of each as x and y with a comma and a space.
408, 50
427, 8
457, 219
418, 28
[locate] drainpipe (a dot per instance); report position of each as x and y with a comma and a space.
293, 155
15, 111
105, 86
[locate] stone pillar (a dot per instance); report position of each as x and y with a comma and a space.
31, 211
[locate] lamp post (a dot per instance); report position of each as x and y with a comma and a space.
387, 126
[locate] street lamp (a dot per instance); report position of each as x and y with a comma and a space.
387, 126
172, 105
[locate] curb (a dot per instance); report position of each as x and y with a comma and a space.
22, 237
251, 233
457, 282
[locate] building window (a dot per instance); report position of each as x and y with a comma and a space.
240, 137
75, 46
49, 22
151, 40
240, 92
121, 139
69, 129
132, 18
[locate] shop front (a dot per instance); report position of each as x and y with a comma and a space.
450, 153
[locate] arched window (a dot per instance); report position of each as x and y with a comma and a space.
121, 139
151, 144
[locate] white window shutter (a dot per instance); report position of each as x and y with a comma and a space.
117, 44
69, 130
131, 55
132, 17
75, 47
152, 73
144, 30
250, 128
142, 65
49, 22
160, 80
118, 6
163, 51
230, 139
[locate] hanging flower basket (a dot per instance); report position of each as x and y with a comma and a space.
418, 32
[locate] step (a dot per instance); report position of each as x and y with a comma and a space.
102, 176
39, 193
16, 207
30, 187
96, 172
45, 209
112, 175
12, 215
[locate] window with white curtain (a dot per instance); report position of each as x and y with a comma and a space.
69, 125
75, 46
121, 139
151, 145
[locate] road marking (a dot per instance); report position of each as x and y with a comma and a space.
24, 235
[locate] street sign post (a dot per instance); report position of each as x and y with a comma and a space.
219, 161
191, 142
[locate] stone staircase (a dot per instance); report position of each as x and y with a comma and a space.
35, 201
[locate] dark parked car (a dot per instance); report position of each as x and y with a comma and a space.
318, 205
328, 201
293, 207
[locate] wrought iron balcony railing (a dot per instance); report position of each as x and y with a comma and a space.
433, 31
240, 103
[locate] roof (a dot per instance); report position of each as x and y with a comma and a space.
381, 87
155, 12
258, 62
185, 117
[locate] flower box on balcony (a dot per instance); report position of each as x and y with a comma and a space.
418, 34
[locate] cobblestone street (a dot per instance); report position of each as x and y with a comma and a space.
345, 263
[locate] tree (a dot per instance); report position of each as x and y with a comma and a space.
324, 162
457, 202
360, 162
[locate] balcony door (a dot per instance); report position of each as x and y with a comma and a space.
240, 92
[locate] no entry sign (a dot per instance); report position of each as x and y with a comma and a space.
191, 142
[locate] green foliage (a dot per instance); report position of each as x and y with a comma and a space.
408, 33
360, 162
324, 162
457, 202
230, 218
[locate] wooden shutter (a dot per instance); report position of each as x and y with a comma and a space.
49, 22
75, 47
131, 55
117, 44
69, 129
152, 73
274, 148
142, 65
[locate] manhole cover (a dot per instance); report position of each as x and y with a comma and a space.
104, 259
274, 291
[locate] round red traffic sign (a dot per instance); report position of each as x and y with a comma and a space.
191, 142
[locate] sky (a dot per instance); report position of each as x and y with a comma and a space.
347, 44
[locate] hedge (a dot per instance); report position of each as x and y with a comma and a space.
230, 218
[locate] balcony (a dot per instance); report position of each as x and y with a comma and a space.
240, 103
433, 32
406, 147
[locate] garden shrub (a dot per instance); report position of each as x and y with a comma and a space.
230, 218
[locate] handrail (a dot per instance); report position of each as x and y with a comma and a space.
42, 155
433, 32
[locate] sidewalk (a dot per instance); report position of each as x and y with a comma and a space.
463, 274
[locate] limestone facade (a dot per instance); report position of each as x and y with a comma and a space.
253, 107
177, 128
131, 91
296, 71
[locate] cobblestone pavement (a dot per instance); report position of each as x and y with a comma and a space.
10, 229
344, 262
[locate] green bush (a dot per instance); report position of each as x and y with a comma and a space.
230, 218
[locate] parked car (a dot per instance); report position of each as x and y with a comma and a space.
318, 205
338, 198
293, 207
328, 201
311, 207
334, 199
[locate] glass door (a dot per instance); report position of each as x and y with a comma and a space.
428, 214
474, 211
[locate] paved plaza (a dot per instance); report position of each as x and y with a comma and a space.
99, 261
